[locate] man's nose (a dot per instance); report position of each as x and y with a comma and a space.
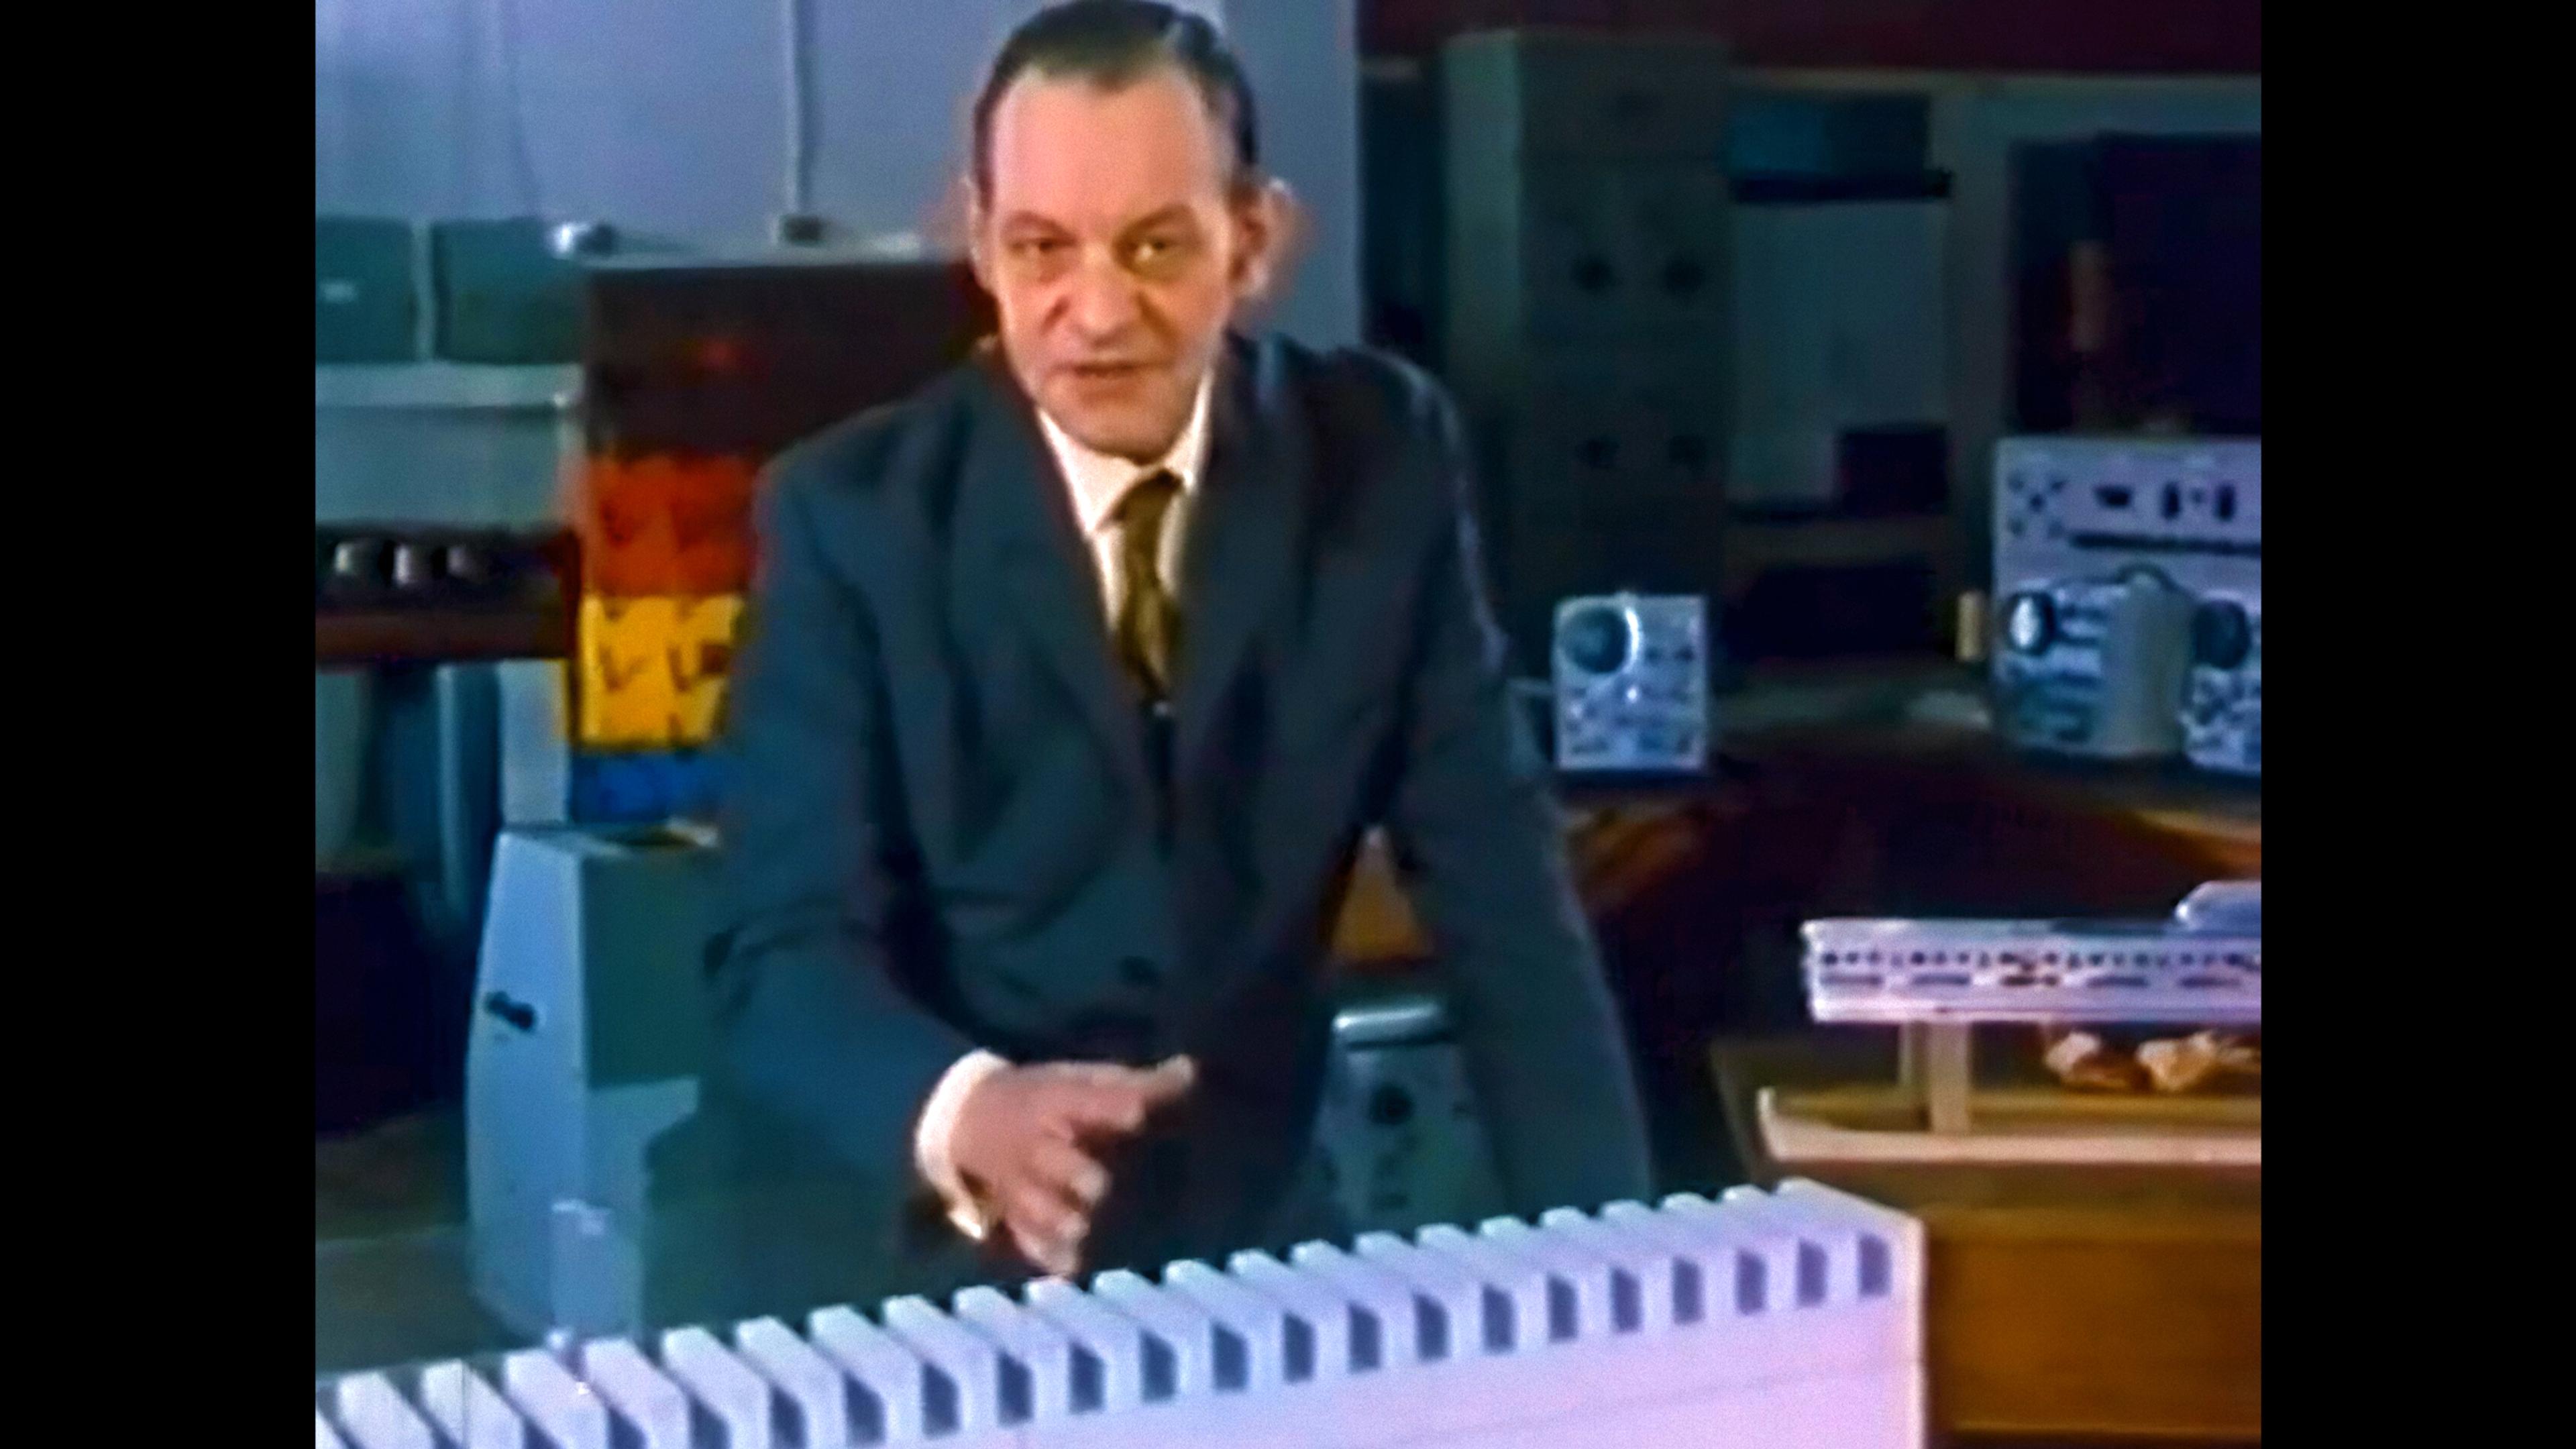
1103, 304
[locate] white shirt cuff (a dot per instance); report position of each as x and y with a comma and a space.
930, 1142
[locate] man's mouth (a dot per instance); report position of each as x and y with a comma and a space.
1106, 371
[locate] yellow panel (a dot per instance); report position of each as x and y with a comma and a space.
701, 663
626, 698
653, 669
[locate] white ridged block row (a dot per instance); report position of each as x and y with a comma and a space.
1760, 1320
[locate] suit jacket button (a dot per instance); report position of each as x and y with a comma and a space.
1140, 972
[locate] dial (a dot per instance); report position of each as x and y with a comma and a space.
1390, 1105
2030, 622
1597, 639
2221, 635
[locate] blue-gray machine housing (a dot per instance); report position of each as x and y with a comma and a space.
2129, 598
1399, 1125
1630, 675
590, 1031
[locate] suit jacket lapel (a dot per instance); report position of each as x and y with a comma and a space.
1013, 497
1245, 529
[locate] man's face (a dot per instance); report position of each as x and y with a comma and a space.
1116, 247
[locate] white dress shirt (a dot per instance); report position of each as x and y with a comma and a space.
1097, 483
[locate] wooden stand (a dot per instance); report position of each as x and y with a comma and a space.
2094, 1303
1936, 1113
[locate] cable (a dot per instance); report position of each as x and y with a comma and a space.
522, 157
796, 24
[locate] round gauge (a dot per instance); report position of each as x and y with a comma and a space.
2030, 622
1597, 639
2221, 634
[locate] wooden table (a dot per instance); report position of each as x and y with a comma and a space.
1617, 851
1899, 802
2069, 1303
2119, 818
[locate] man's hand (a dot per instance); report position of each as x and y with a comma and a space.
1022, 1143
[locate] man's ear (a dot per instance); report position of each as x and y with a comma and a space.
1275, 230
965, 205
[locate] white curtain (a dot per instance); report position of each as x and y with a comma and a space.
667, 117
414, 110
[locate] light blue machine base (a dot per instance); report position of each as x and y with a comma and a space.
589, 1033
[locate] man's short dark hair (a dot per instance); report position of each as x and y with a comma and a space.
1112, 44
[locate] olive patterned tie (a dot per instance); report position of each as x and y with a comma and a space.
1148, 625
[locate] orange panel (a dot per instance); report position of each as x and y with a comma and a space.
665, 525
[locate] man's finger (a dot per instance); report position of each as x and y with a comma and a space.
1070, 1170
1043, 1213
1046, 1256
1120, 1098
1097, 1074
1172, 1074
1169, 1081
1048, 1231
1103, 1108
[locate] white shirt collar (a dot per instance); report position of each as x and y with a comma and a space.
1099, 481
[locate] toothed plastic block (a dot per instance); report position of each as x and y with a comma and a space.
1110, 1347
1036, 1368
821, 1404
1891, 1245
1258, 1326
911, 1402
965, 1359
1775, 1270
731, 1407
1533, 1310
1751, 1321
1599, 1296
652, 1409
1652, 1270
1395, 1318
1318, 1322
1472, 1318
469, 1410
560, 1406
1706, 1270
376, 1417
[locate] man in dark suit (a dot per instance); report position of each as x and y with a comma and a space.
1067, 691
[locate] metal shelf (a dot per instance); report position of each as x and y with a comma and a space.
343, 641
445, 387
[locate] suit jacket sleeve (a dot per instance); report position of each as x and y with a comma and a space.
1479, 835
811, 1018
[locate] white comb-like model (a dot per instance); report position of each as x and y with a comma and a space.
2203, 967
1755, 1321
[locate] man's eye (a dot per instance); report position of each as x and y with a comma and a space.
1037, 246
